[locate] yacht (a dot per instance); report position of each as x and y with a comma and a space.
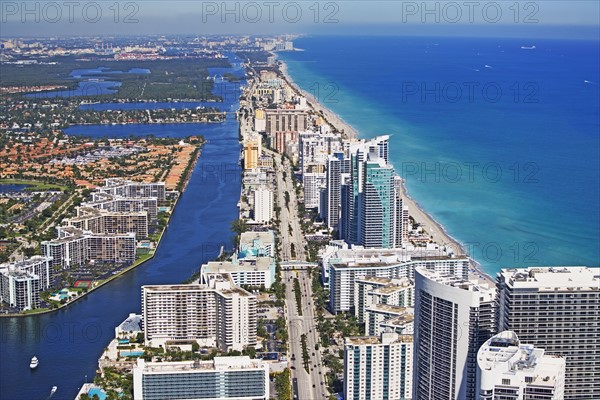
34, 363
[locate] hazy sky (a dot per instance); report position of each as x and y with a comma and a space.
544, 18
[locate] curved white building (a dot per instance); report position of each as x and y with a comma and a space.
453, 317
510, 370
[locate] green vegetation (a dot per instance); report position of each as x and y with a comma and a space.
238, 227
169, 79
281, 332
298, 294
231, 77
254, 56
305, 355
188, 169
283, 385
34, 186
116, 384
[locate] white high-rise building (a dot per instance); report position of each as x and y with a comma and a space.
343, 273
216, 314
333, 192
378, 367
263, 205
510, 370
131, 189
453, 318
236, 378
557, 309
314, 182
370, 290
22, 282
377, 314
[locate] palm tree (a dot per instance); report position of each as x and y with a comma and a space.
239, 226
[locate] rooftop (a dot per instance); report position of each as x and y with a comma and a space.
385, 338
408, 311
219, 282
218, 364
472, 285
504, 354
389, 289
553, 278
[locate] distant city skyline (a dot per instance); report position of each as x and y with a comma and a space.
552, 19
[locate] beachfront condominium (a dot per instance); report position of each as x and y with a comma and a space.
315, 148
401, 216
556, 308
373, 214
77, 247
510, 370
369, 290
263, 205
239, 378
453, 318
22, 282
333, 185
131, 189
216, 314
376, 316
378, 367
279, 120
342, 273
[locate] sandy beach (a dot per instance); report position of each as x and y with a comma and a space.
430, 225
332, 118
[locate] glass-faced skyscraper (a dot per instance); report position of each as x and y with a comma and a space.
376, 204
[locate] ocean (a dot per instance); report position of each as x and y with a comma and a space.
497, 138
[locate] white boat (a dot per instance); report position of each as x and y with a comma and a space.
34, 363
528, 47
54, 388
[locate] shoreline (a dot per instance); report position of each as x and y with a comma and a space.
193, 161
427, 221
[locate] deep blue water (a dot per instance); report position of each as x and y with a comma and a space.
9, 187
525, 122
69, 342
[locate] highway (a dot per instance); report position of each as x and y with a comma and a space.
311, 385
288, 214
305, 385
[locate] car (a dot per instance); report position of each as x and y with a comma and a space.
292, 367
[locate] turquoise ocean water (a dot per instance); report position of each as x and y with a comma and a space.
499, 141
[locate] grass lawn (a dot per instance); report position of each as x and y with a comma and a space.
34, 185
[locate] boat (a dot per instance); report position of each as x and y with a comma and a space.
528, 47
34, 363
54, 389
